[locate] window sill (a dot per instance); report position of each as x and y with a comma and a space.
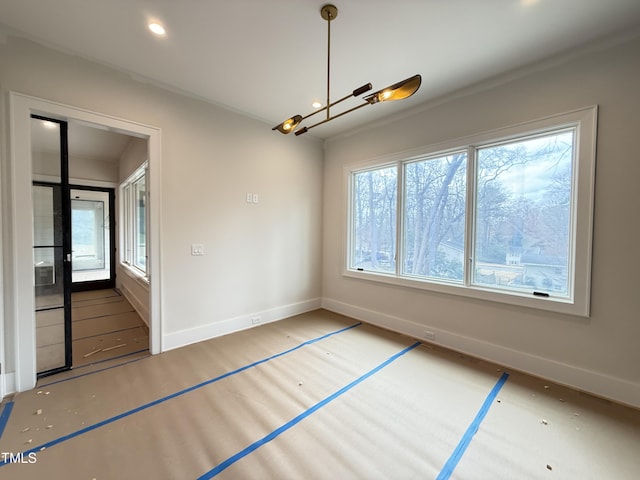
551, 304
136, 274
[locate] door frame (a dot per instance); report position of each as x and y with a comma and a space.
65, 208
111, 282
21, 107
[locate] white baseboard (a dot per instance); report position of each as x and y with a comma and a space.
185, 337
612, 388
9, 380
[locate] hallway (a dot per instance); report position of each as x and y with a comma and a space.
105, 326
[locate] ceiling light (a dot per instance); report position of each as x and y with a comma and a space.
397, 91
157, 28
316, 104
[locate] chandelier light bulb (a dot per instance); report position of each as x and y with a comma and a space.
157, 28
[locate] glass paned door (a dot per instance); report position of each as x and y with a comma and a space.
51, 260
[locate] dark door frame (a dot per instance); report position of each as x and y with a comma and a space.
65, 208
111, 282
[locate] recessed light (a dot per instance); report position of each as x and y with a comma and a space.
316, 104
157, 28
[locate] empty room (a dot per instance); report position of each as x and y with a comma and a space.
292, 239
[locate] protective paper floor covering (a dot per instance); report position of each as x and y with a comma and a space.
105, 326
167, 417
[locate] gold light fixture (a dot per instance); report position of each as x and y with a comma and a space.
397, 91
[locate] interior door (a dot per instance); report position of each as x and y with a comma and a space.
92, 238
51, 245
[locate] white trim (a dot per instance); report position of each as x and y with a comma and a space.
21, 107
9, 383
605, 386
136, 274
3, 363
188, 336
578, 303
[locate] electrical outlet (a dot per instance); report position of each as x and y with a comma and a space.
255, 320
429, 335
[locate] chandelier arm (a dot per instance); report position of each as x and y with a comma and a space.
350, 110
357, 92
305, 129
326, 107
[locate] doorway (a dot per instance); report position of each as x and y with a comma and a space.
93, 237
22, 356
74, 229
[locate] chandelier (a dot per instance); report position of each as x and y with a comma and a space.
397, 91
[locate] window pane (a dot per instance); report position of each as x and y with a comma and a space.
374, 220
434, 217
88, 237
523, 214
140, 248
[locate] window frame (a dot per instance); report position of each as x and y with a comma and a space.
577, 301
129, 230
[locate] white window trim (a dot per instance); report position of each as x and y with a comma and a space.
126, 222
578, 303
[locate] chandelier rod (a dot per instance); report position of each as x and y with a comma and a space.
329, 18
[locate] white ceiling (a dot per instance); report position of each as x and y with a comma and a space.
84, 142
267, 58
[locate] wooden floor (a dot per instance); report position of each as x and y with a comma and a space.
317, 396
105, 326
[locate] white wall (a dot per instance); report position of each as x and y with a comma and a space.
88, 170
81, 170
599, 354
260, 259
134, 155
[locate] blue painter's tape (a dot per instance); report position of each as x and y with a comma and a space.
4, 416
254, 446
176, 394
457, 454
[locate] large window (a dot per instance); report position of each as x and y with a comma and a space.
134, 231
504, 216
